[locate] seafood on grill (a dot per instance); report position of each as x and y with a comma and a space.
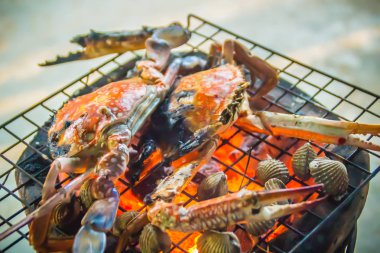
122, 220
215, 185
91, 136
332, 174
215, 214
189, 121
153, 239
204, 104
301, 160
272, 168
187, 126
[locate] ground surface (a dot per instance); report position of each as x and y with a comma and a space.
339, 37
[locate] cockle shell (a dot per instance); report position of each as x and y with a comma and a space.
301, 160
272, 168
85, 194
331, 173
122, 220
275, 184
67, 216
257, 228
214, 185
154, 240
218, 242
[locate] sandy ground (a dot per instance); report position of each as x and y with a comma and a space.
339, 37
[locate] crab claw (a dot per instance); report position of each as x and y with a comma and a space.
270, 210
96, 44
310, 128
239, 207
72, 56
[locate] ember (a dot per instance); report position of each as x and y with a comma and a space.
232, 158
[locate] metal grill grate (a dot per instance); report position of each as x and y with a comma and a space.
338, 97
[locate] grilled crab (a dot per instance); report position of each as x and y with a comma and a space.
202, 106
91, 136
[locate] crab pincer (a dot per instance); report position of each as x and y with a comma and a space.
96, 44
310, 128
239, 207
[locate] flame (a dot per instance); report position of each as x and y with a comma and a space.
193, 249
234, 162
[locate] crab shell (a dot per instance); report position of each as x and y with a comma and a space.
80, 123
206, 96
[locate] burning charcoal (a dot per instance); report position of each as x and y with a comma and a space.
272, 168
301, 160
215, 185
122, 220
154, 240
331, 173
221, 242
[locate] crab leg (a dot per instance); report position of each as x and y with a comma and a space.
310, 128
96, 44
239, 207
259, 69
62, 164
172, 185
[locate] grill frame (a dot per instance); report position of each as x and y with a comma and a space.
196, 25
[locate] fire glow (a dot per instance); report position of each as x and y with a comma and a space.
230, 157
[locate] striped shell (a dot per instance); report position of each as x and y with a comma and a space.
257, 228
331, 173
214, 185
301, 160
218, 242
275, 184
67, 216
272, 168
85, 193
154, 240
122, 220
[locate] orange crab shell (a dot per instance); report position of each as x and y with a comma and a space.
84, 114
212, 90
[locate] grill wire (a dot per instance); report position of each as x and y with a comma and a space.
339, 98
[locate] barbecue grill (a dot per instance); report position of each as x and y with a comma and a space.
302, 90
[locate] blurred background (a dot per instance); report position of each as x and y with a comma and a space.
340, 37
